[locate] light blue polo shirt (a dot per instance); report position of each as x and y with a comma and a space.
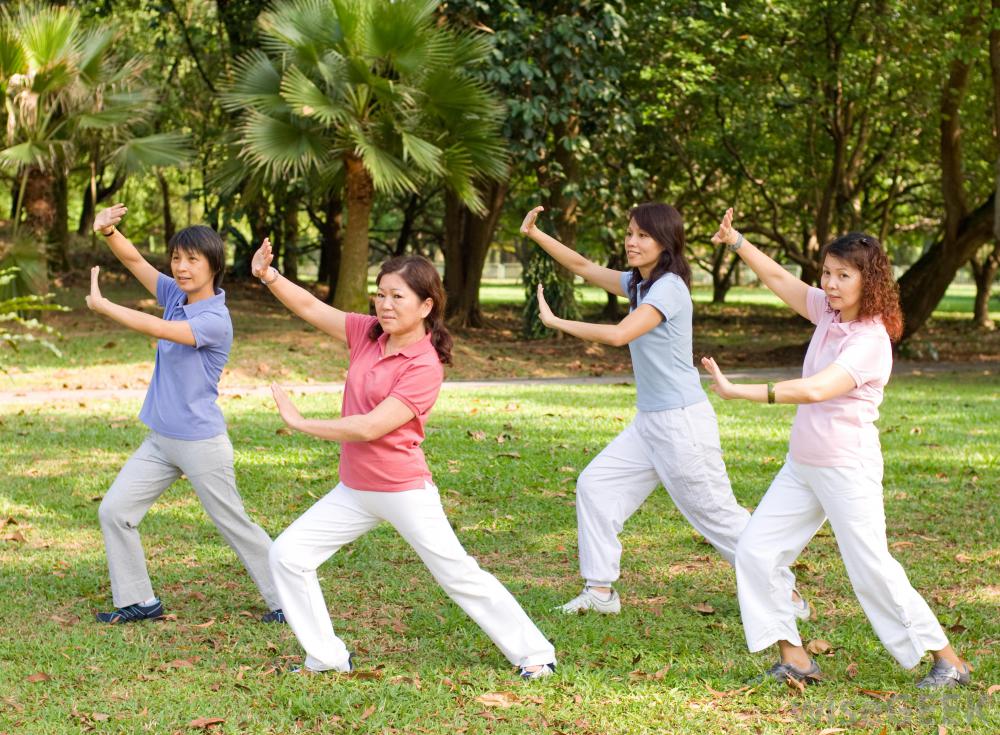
180, 402
665, 375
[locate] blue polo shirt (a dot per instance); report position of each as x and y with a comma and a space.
180, 402
665, 375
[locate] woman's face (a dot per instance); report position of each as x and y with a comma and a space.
192, 273
842, 283
641, 250
398, 308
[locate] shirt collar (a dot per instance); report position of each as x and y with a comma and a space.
210, 304
417, 348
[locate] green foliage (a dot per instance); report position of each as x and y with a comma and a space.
558, 294
16, 328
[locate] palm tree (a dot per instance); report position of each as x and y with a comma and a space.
378, 90
70, 101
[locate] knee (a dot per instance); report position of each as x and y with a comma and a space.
110, 512
284, 553
750, 553
587, 486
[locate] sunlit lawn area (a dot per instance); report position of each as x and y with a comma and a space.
422, 666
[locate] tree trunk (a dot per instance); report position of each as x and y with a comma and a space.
168, 217
612, 311
290, 237
58, 233
330, 242
88, 211
984, 272
352, 281
406, 229
467, 240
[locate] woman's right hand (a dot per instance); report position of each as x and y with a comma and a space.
528, 225
726, 234
262, 259
106, 219
720, 383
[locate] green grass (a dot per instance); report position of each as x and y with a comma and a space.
658, 667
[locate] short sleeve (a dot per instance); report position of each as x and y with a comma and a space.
418, 386
623, 279
668, 296
356, 328
211, 329
167, 290
816, 304
866, 358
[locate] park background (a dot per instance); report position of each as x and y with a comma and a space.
352, 131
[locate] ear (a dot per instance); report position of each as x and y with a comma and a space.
426, 307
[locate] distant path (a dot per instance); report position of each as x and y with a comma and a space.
28, 397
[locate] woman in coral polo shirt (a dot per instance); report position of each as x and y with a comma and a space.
392, 383
834, 466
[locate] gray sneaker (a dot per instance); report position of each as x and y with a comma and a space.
782, 672
589, 600
801, 608
943, 674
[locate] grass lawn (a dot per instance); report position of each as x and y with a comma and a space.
505, 459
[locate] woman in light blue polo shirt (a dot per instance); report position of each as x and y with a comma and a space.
187, 430
674, 438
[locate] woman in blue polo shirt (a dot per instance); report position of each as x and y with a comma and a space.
674, 438
187, 430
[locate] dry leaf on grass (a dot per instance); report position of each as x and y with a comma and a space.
882, 696
832, 730
852, 670
704, 608
794, 685
37, 677
498, 699
99, 716
993, 690
819, 646
203, 723
368, 713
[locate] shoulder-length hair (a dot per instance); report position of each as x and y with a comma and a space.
879, 291
423, 279
665, 225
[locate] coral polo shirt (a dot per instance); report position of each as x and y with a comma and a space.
413, 375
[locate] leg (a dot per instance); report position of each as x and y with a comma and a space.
208, 465
788, 516
145, 476
420, 519
317, 534
900, 616
609, 490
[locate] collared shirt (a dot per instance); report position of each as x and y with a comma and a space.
841, 431
181, 400
413, 375
662, 360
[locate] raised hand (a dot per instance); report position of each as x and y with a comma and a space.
544, 312
94, 299
289, 413
262, 259
720, 383
108, 218
726, 234
529, 220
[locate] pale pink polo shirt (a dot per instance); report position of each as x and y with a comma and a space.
395, 461
841, 431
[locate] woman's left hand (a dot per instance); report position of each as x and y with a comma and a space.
720, 383
94, 299
289, 413
544, 312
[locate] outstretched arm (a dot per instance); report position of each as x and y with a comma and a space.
636, 324
174, 331
831, 382
387, 416
606, 278
299, 301
122, 247
786, 286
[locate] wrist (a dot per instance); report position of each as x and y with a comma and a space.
106, 231
267, 278
736, 243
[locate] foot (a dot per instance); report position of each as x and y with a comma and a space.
336, 669
944, 674
275, 616
781, 672
529, 673
800, 606
591, 600
132, 614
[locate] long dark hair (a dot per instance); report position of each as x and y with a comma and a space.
879, 291
204, 241
665, 225
423, 279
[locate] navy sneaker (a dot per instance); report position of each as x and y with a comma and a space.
132, 614
275, 616
782, 672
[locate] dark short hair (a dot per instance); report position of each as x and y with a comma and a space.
204, 241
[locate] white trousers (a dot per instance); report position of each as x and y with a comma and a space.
800, 498
678, 447
343, 515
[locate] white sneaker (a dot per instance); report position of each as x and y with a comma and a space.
540, 673
801, 608
589, 600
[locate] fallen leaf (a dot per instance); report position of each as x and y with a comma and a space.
477, 436
498, 699
818, 646
883, 696
704, 608
512, 455
368, 712
901, 545
796, 686
832, 730
99, 716
852, 670
37, 677
16, 536
206, 624
283, 431
993, 690
203, 723
179, 663
963, 558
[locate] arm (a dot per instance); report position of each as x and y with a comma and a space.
606, 278
387, 416
786, 286
122, 247
174, 331
636, 324
831, 382
299, 301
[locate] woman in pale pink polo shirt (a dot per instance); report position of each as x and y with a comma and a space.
834, 465
393, 380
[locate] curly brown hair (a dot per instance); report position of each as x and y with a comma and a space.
879, 292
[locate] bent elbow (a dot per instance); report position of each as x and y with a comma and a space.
619, 339
814, 395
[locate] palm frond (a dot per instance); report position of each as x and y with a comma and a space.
308, 100
302, 29
388, 173
12, 58
159, 149
425, 155
47, 34
256, 85
28, 153
93, 45
281, 146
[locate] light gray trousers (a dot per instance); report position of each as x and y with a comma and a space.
208, 466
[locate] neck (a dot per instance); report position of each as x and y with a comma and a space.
397, 342
645, 271
849, 315
202, 294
